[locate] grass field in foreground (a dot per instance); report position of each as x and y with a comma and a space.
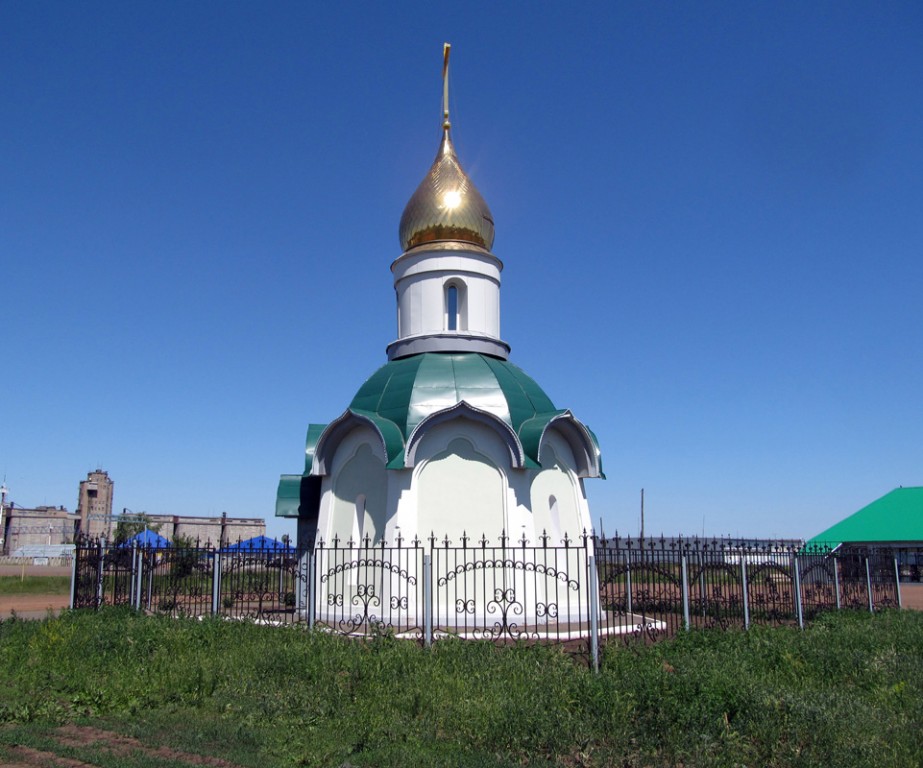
35, 585
848, 691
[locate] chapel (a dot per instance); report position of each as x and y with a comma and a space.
448, 440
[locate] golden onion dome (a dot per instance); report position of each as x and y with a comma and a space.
446, 205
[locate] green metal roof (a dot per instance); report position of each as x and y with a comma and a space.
408, 390
310, 443
896, 516
288, 496
404, 392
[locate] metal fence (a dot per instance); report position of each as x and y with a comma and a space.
657, 587
587, 591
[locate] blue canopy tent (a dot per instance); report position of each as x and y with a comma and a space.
147, 538
259, 545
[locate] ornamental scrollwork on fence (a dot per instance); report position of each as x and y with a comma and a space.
642, 587
464, 606
365, 597
644, 632
506, 606
384, 565
507, 564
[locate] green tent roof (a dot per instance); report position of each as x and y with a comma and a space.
895, 517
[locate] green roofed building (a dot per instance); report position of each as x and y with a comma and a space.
447, 438
894, 520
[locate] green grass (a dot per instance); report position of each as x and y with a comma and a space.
848, 691
35, 585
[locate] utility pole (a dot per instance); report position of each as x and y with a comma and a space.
3, 492
642, 514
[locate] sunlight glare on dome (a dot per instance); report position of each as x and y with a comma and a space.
452, 199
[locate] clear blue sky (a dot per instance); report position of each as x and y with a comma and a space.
711, 217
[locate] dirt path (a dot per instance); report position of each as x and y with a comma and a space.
107, 745
912, 596
32, 606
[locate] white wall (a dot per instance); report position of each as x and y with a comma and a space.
357, 475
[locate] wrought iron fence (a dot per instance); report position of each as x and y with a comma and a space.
589, 590
656, 587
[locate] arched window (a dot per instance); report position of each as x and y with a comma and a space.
451, 305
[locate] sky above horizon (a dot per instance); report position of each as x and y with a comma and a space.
710, 216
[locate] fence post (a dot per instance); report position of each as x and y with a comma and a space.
101, 566
301, 592
427, 600
594, 613
685, 572
136, 597
150, 581
133, 583
134, 574
628, 581
897, 583
836, 580
74, 574
746, 596
216, 581
868, 584
312, 561
797, 572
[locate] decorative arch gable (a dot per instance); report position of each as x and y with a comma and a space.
581, 441
463, 410
386, 431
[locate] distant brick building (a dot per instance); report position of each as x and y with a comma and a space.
36, 527
94, 504
214, 530
22, 529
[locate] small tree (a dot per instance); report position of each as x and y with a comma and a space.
186, 555
129, 526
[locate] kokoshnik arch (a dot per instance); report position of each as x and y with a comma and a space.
448, 438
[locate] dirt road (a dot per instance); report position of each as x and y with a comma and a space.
32, 606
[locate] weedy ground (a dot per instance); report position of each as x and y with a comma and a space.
122, 689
